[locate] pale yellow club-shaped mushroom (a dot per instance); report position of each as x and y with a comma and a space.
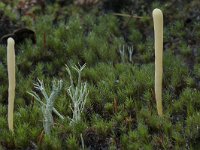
158, 33
11, 80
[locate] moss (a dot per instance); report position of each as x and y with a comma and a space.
51, 143
120, 111
72, 143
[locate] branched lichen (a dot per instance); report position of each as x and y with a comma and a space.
130, 52
48, 107
78, 94
122, 53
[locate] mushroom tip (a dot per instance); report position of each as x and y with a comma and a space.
11, 41
157, 11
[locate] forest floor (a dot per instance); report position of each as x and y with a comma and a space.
115, 39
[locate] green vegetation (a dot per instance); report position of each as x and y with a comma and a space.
120, 111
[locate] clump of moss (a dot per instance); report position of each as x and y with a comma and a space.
120, 110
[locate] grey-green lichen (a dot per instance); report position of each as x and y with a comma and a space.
48, 108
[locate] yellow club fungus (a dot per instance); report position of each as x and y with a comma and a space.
11, 80
158, 33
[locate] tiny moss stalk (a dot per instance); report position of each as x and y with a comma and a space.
11, 80
158, 31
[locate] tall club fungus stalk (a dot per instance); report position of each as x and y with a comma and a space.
158, 31
11, 80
